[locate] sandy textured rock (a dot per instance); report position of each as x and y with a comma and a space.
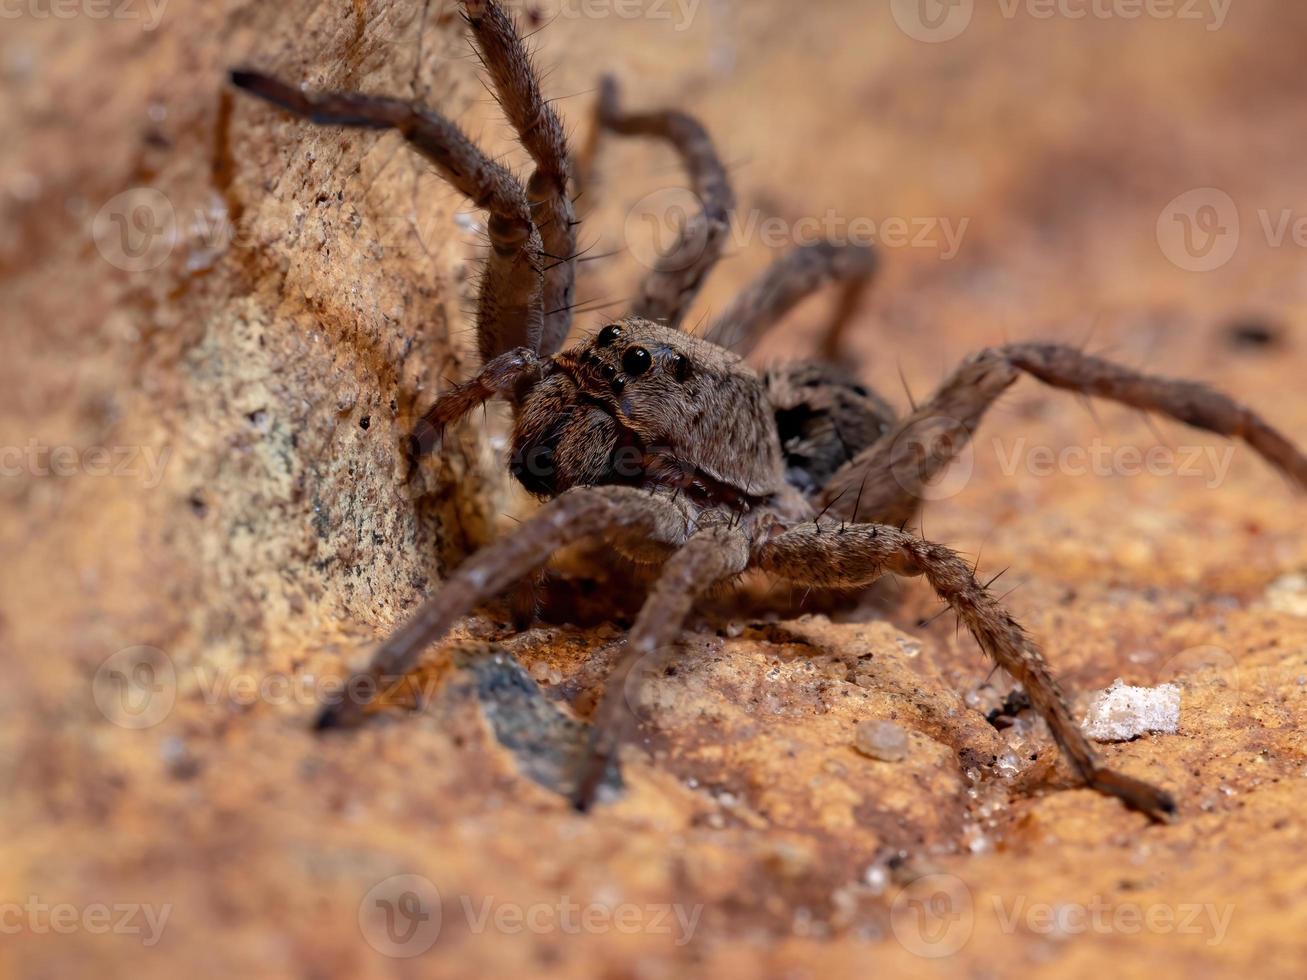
169, 625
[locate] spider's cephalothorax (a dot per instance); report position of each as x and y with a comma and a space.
646, 406
643, 405
672, 449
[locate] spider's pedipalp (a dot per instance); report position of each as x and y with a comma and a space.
670, 288
901, 463
541, 133
621, 512
503, 377
509, 306
855, 555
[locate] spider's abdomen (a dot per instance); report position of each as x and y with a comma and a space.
824, 418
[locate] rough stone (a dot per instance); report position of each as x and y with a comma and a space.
259, 536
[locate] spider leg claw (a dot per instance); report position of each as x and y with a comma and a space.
1157, 804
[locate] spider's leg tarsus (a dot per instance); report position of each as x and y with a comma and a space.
1137, 794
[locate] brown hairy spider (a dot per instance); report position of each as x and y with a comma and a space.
674, 451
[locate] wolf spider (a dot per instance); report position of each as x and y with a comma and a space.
677, 454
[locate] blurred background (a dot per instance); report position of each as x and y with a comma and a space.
217, 322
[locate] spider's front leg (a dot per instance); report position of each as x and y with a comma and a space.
888, 477
505, 58
710, 556
624, 514
830, 554
509, 306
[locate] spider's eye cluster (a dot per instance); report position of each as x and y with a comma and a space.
608, 335
636, 361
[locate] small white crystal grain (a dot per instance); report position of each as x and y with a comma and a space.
1122, 712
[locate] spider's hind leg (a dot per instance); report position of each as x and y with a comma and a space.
786, 282
891, 474
670, 287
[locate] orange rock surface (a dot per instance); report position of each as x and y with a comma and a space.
217, 324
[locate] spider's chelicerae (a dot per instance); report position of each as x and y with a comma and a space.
673, 450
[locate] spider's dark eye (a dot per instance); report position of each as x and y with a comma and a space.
636, 361
680, 367
607, 335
